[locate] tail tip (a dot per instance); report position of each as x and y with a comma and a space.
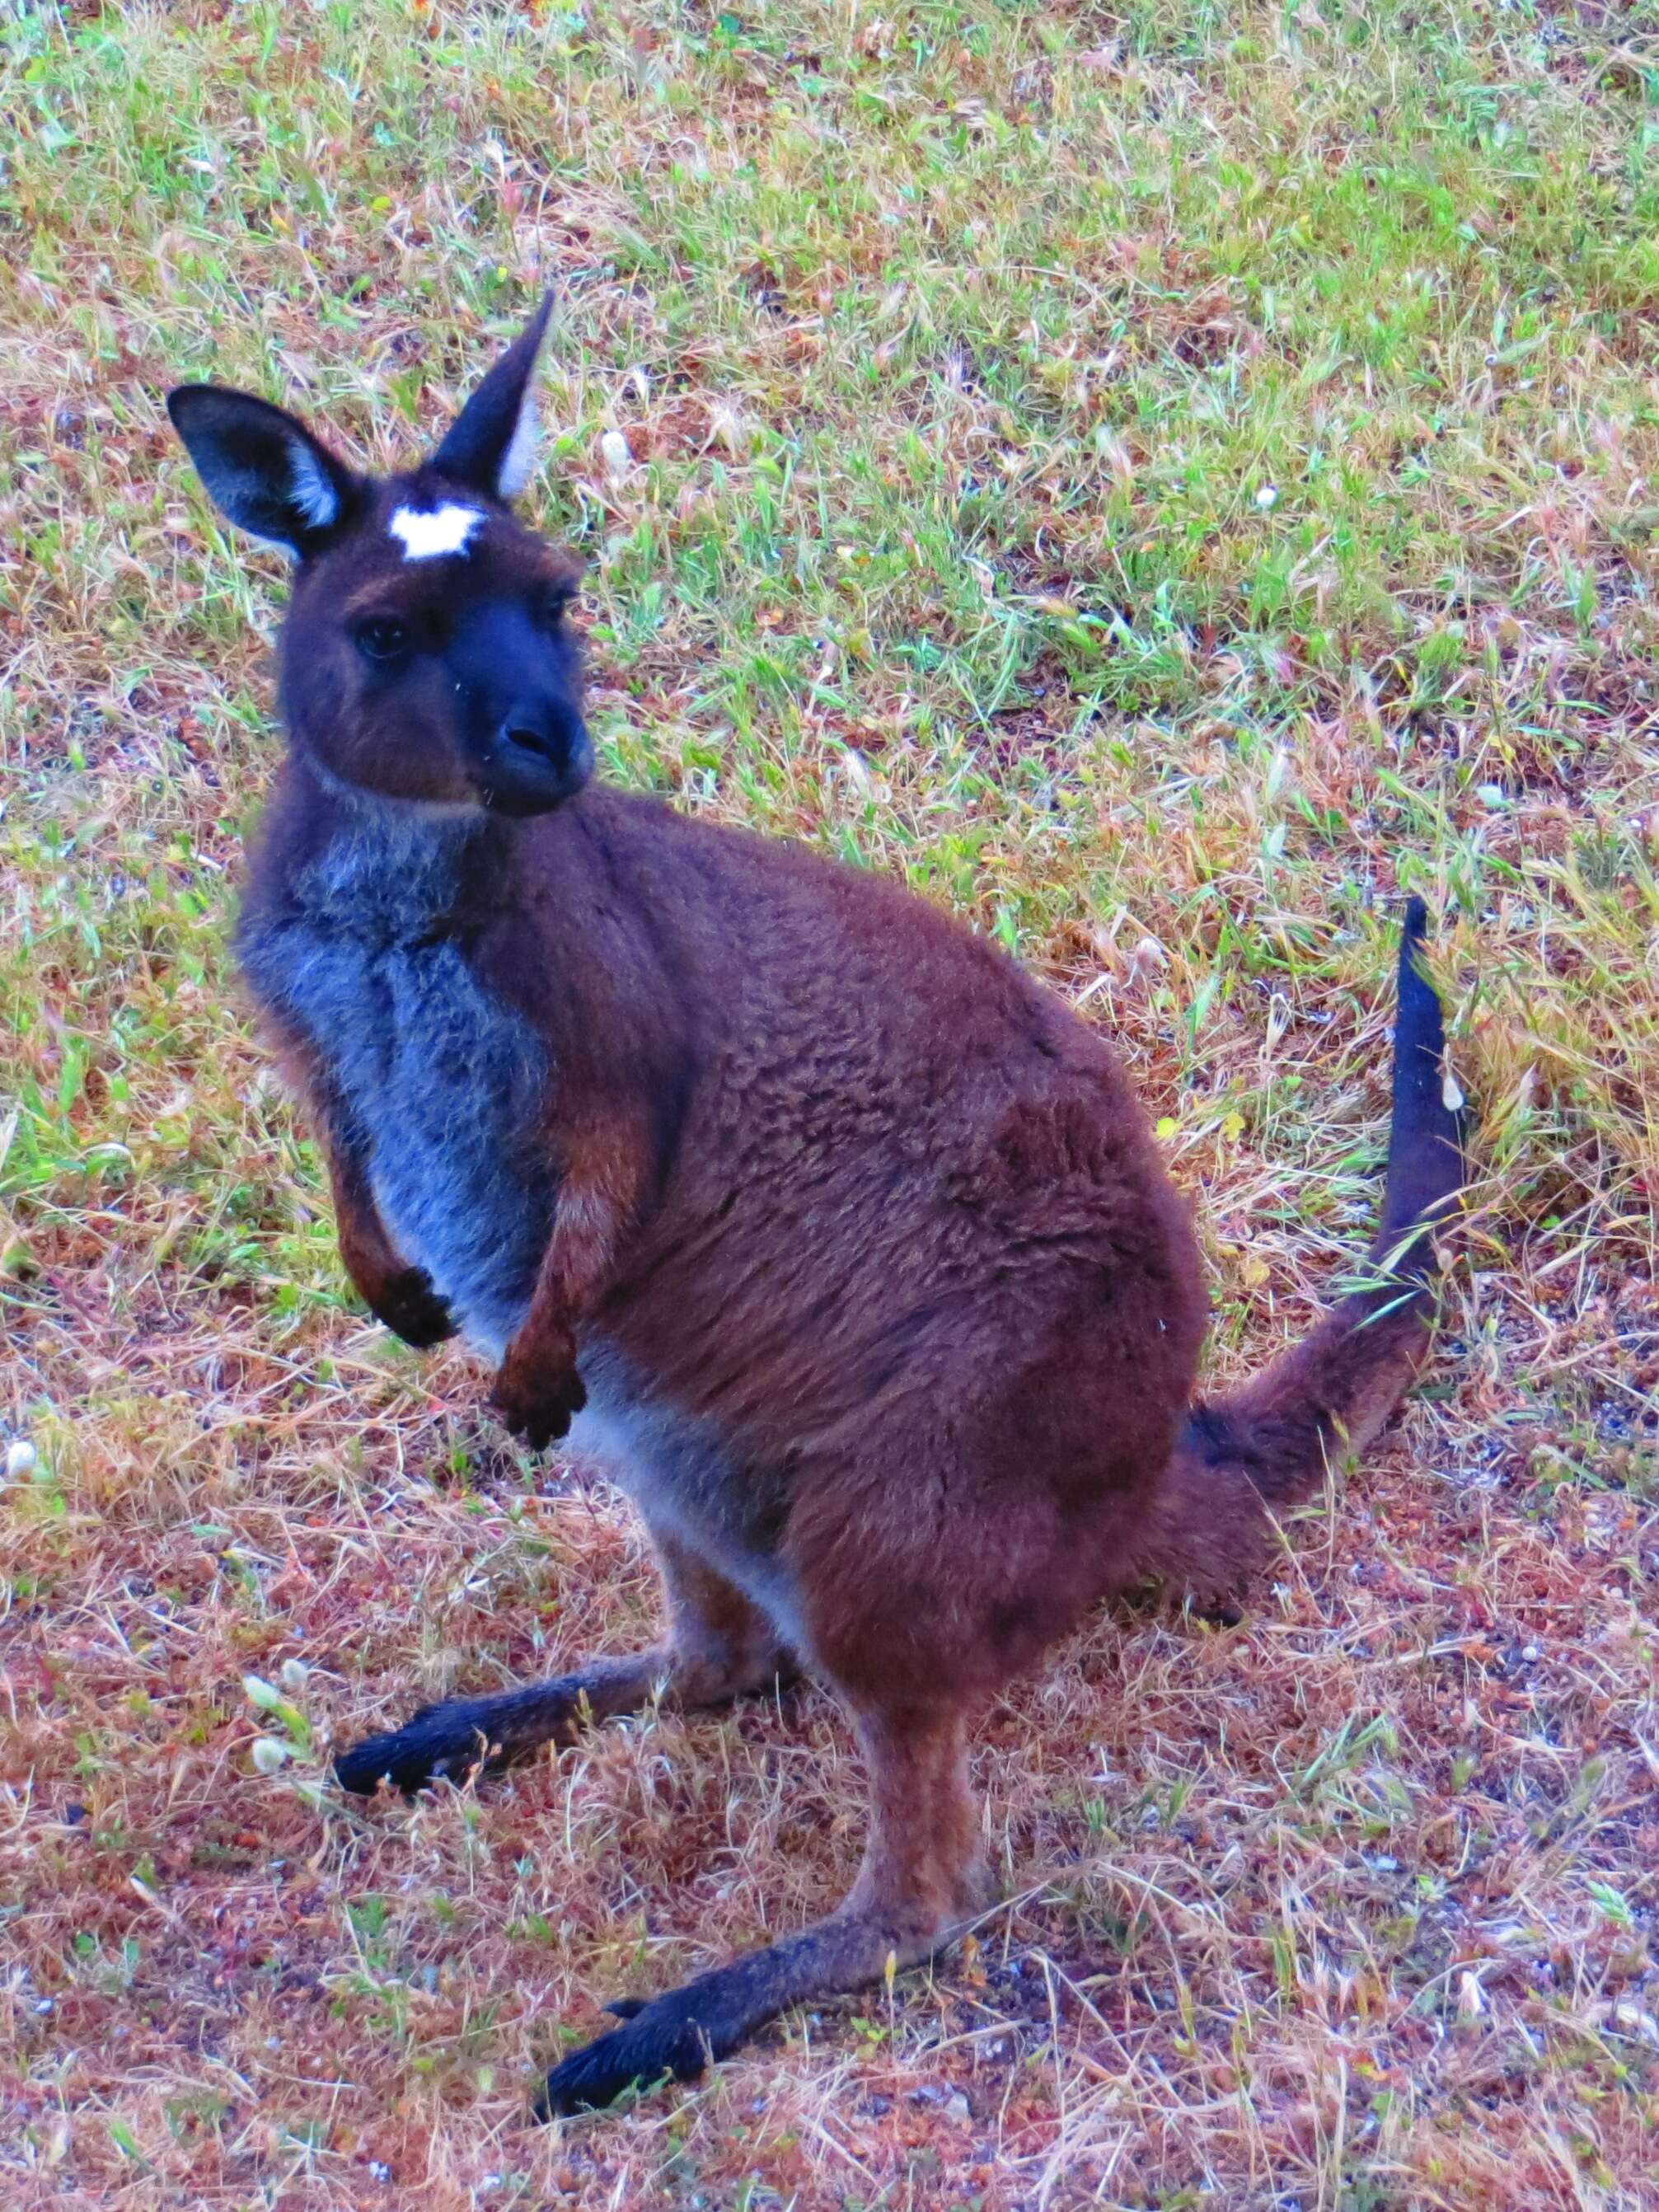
1420, 1003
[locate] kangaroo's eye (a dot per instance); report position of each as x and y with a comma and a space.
382, 637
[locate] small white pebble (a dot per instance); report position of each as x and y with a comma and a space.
1492, 794
379, 2170
1268, 497
856, 770
617, 454
43, 2006
22, 1459
1451, 1097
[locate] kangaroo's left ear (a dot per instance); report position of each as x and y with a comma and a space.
263, 470
491, 445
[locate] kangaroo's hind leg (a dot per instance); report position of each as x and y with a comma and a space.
718, 1645
923, 1879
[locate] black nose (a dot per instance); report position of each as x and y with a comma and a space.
542, 737
542, 756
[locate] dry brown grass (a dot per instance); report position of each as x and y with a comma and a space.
956, 348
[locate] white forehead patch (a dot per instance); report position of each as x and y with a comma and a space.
446, 529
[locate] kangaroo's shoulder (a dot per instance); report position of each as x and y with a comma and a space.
756, 896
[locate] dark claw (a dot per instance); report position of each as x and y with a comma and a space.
412, 1310
658, 2043
547, 1419
1220, 1614
441, 1742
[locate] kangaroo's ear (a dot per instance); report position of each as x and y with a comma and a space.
263, 469
491, 445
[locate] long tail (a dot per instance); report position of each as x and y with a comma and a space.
1268, 1444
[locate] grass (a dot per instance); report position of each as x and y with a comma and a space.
1162, 479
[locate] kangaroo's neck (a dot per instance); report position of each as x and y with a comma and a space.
555, 920
381, 870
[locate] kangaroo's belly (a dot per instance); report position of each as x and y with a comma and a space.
690, 1480
691, 1485
442, 1089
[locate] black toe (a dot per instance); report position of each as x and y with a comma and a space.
441, 1743
641, 2055
382, 1759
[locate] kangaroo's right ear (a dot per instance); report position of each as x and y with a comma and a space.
263, 469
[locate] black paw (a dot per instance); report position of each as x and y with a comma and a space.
540, 1414
659, 2041
442, 1742
412, 1310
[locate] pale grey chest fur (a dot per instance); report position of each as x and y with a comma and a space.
439, 1085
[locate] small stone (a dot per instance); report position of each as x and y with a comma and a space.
1147, 956
22, 1459
617, 454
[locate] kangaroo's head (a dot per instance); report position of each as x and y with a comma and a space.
426, 656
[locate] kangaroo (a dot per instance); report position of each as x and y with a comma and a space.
840, 1239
